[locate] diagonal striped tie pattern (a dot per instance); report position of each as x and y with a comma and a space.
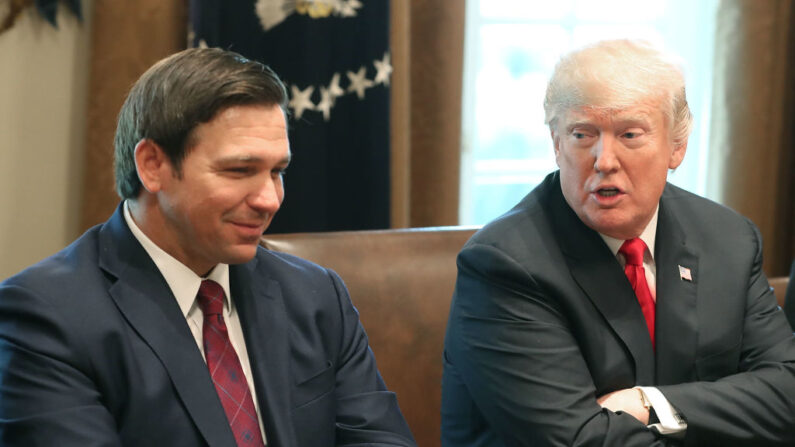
633, 250
225, 369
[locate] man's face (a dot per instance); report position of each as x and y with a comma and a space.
228, 189
614, 165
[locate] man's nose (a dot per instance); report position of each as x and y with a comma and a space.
605, 154
268, 196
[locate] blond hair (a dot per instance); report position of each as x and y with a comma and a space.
616, 74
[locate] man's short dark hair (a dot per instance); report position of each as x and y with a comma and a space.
180, 92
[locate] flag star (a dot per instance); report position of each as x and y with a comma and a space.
334, 87
326, 103
301, 100
384, 70
359, 82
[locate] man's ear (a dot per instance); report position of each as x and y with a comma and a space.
678, 154
152, 165
555, 143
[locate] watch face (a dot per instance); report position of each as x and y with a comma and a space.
644, 400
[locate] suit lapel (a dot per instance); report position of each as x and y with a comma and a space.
676, 316
601, 278
264, 322
143, 297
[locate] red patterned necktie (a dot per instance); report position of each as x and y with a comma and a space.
633, 250
225, 370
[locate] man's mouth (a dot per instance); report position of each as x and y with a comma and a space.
249, 224
250, 228
607, 192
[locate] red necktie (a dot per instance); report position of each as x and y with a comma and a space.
225, 370
633, 250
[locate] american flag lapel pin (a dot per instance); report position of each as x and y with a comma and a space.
684, 274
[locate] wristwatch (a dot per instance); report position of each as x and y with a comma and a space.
643, 400
647, 405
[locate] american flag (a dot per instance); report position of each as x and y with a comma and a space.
334, 57
684, 274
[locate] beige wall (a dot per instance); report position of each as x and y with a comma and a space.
43, 92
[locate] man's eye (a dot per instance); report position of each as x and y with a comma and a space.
632, 135
280, 172
578, 135
239, 170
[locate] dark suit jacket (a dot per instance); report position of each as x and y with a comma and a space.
543, 321
94, 351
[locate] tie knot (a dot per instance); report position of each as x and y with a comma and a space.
633, 250
210, 297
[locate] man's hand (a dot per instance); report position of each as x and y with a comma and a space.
629, 401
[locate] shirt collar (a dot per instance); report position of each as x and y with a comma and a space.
648, 236
182, 281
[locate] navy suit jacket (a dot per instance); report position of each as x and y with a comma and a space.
94, 351
543, 321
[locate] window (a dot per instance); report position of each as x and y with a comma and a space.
512, 47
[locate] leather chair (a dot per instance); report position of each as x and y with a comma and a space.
785, 293
401, 281
779, 285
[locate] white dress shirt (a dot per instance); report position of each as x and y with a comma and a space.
671, 423
184, 285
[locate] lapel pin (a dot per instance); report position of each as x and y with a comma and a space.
684, 274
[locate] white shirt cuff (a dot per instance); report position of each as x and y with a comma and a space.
671, 423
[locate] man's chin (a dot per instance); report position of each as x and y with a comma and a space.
241, 254
617, 228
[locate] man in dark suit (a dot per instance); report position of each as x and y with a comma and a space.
608, 307
168, 325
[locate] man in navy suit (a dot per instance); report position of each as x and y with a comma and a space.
114, 341
609, 308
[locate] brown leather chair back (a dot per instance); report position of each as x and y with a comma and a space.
401, 281
779, 285
784, 288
